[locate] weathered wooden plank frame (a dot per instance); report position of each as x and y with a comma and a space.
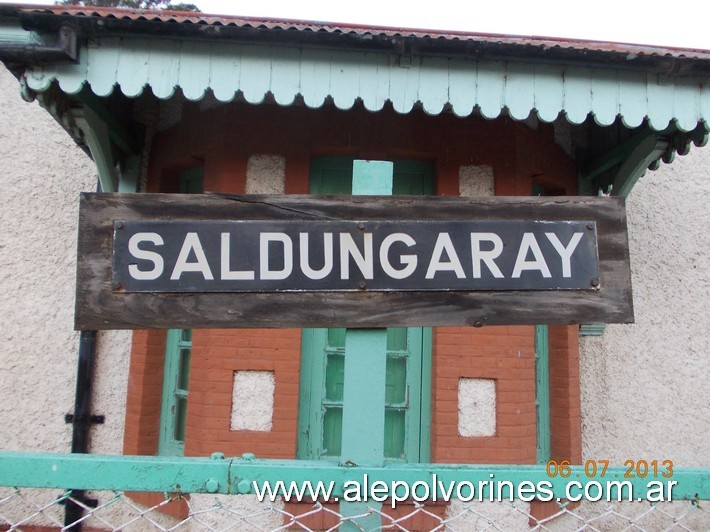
99, 308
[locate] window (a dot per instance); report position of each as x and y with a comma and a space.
407, 394
408, 366
178, 350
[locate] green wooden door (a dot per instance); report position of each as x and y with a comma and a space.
408, 373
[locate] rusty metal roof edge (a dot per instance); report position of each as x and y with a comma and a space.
174, 20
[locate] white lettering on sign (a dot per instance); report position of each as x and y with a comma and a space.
488, 257
409, 261
529, 244
565, 252
226, 272
192, 244
363, 260
287, 253
444, 245
141, 254
327, 257
245, 256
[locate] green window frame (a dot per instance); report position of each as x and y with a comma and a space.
408, 367
178, 352
407, 394
542, 377
176, 376
542, 392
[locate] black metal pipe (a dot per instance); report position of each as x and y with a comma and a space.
81, 419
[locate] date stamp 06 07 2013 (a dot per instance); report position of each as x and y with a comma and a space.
598, 468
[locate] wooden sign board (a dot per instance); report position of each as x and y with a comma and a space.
218, 261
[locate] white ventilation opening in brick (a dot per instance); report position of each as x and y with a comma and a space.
477, 407
253, 401
266, 174
476, 181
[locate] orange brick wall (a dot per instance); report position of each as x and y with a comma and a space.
223, 139
565, 398
216, 355
216, 138
145, 388
506, 354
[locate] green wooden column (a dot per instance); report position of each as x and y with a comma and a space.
365, 371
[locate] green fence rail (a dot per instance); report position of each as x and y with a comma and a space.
239, 475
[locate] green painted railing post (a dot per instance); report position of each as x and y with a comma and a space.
365, 370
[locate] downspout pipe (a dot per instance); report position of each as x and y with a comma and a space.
65, 50
81, 420
82, 397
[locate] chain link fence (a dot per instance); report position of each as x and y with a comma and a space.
35, 510
44, 491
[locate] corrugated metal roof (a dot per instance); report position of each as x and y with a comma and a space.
131, 50
549, 45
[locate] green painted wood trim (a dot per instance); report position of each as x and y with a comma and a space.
365, 372
13, 33
425, 397
636, 164
117, 132
129, 174
131, 63
167, 445
592, 329
311, 393
542, 392
615, 156
372, 178
97, 138
333, 175
364, 396
623, 165
236, 475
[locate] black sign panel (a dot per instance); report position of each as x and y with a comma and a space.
268, 256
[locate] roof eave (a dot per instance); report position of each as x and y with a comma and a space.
404, 44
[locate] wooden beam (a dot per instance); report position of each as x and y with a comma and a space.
99, 307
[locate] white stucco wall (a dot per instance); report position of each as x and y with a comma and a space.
41, 175
108, 393
645, 387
